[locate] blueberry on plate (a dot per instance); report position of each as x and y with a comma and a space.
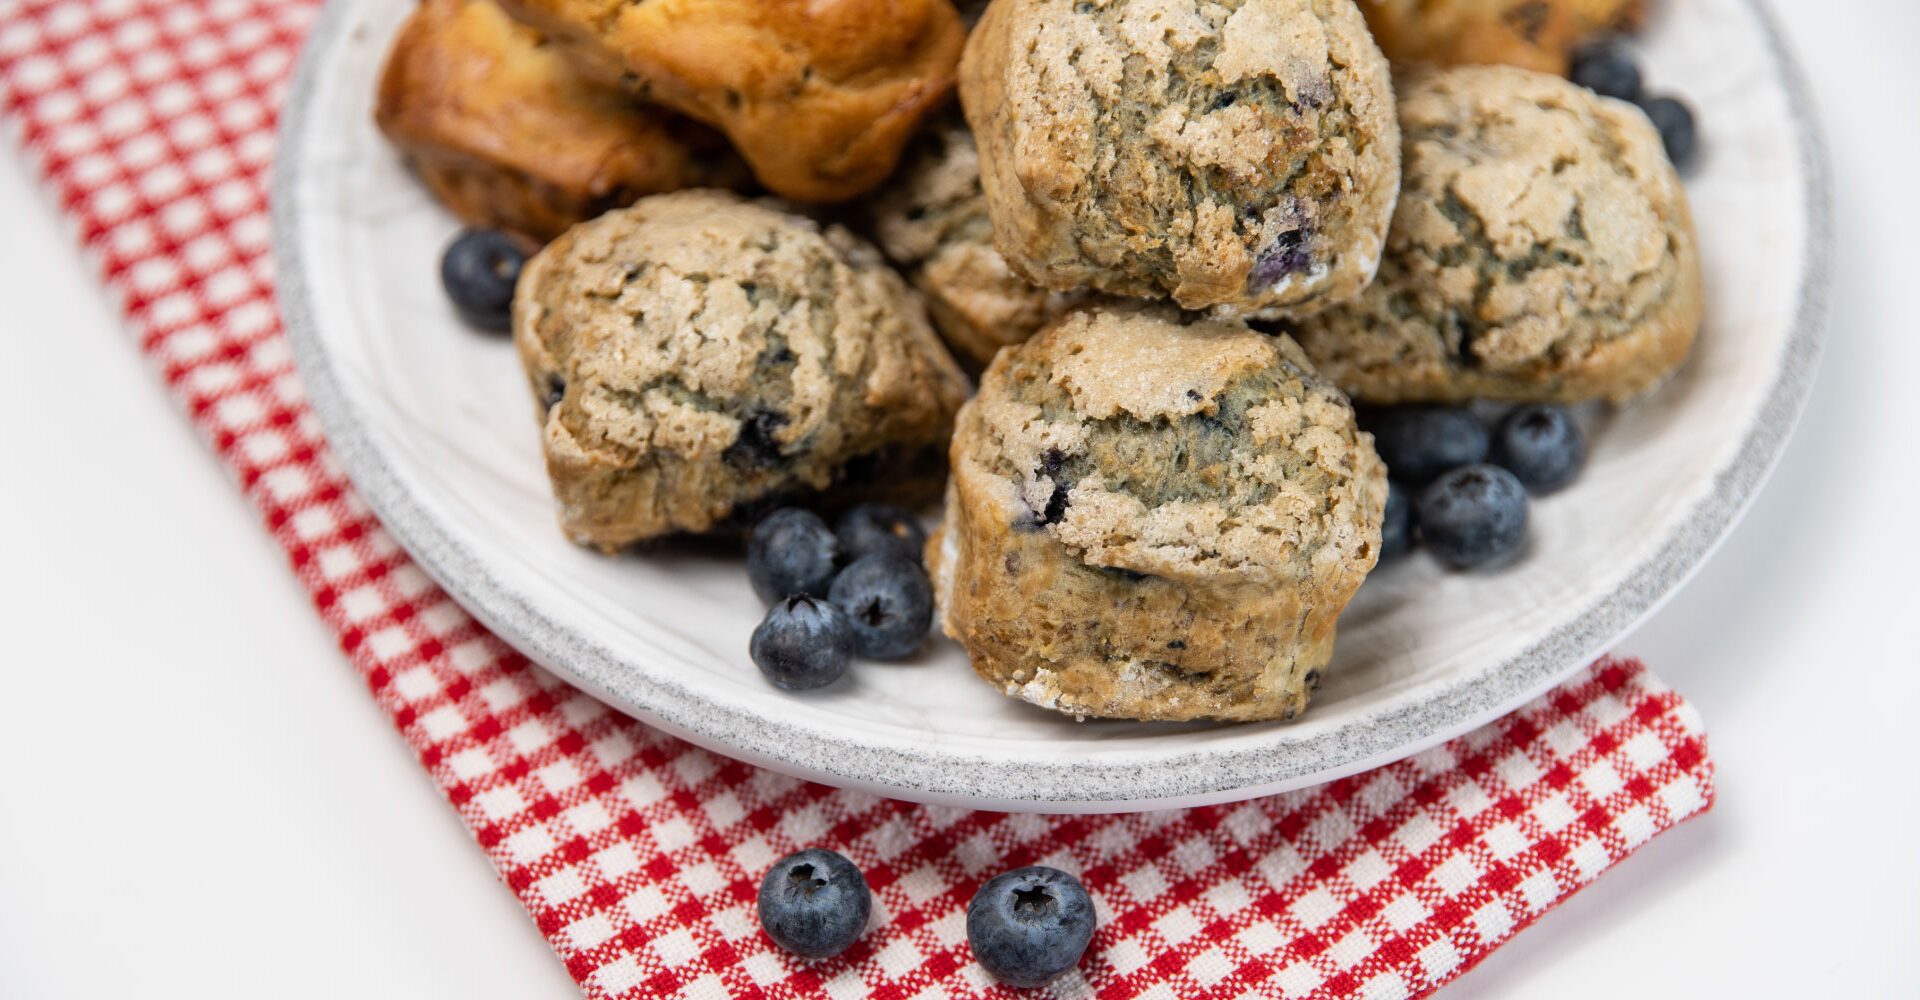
874, 528
814, 903
1029, 925
1473, 517
803, 643
1607, 69
1396, 527
1675, 122
1421, 442
1541, 445
888, 601
791, 551
478, 271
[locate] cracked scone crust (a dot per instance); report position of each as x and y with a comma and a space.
1238, 154
1155, 517
697, 357
506, 133
819, 96
1543, 250
1532, 34
932, 218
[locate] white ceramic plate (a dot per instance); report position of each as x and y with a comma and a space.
430, 421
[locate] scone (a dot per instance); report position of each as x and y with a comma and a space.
819, 96
1543, 250
1231, 154
932, 219
1155, 517
506, 134
698, 357
1532, 34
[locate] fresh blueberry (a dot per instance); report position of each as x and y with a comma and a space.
1029, 925
791, 551
1421, 442
1675, 122
1473, 517
814, 903
1541, 445
1607, 69
888, 602
479, 270
873, 528
803, 643
1396, 527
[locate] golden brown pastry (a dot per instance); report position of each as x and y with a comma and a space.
1532, 34
505, 133
818, 95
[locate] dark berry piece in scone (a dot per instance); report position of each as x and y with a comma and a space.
1155, 516
803, 643
1540, 444
1396, 525
478, 271
888, 603
1030, 925
1419, 443
880, 528
720, 356
1474, 518
1533, 34
931, 218
1606, 68
1232, 154
1542, 251
814, 903
791, 551
1674, 120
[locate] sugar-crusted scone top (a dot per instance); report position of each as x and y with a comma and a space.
1542, 249
1195, 451
1239, 154
697, 351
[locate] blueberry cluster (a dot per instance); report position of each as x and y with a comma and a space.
1608, 69
857, 588
1462, 491
478, 270
1026, 926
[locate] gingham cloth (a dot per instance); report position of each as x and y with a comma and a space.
637, 854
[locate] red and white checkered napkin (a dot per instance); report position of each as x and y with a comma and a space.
638, 854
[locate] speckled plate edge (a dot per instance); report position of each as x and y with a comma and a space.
1124, 781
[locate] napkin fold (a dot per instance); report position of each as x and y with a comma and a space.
638, 854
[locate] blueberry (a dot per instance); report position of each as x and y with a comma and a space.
1473, 517
1675, 122
479, 270
814, 903
874, 528
1029, 925
1607, 69
888, 602
1396, 527
1541, 445
791, 551
1421, 442
803, 643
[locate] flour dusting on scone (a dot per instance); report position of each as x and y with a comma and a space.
1155, 516
697, 357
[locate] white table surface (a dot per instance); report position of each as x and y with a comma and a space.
198, 798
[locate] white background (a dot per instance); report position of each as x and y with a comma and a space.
198, 798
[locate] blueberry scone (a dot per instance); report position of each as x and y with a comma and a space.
932, 219
1153, 516
698, 357
1231, 154
505, 133
1542, 250
819, 96
1532, 34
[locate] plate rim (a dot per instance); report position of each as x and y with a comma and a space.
1122, 781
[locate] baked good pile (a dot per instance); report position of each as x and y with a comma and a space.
1194, 311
